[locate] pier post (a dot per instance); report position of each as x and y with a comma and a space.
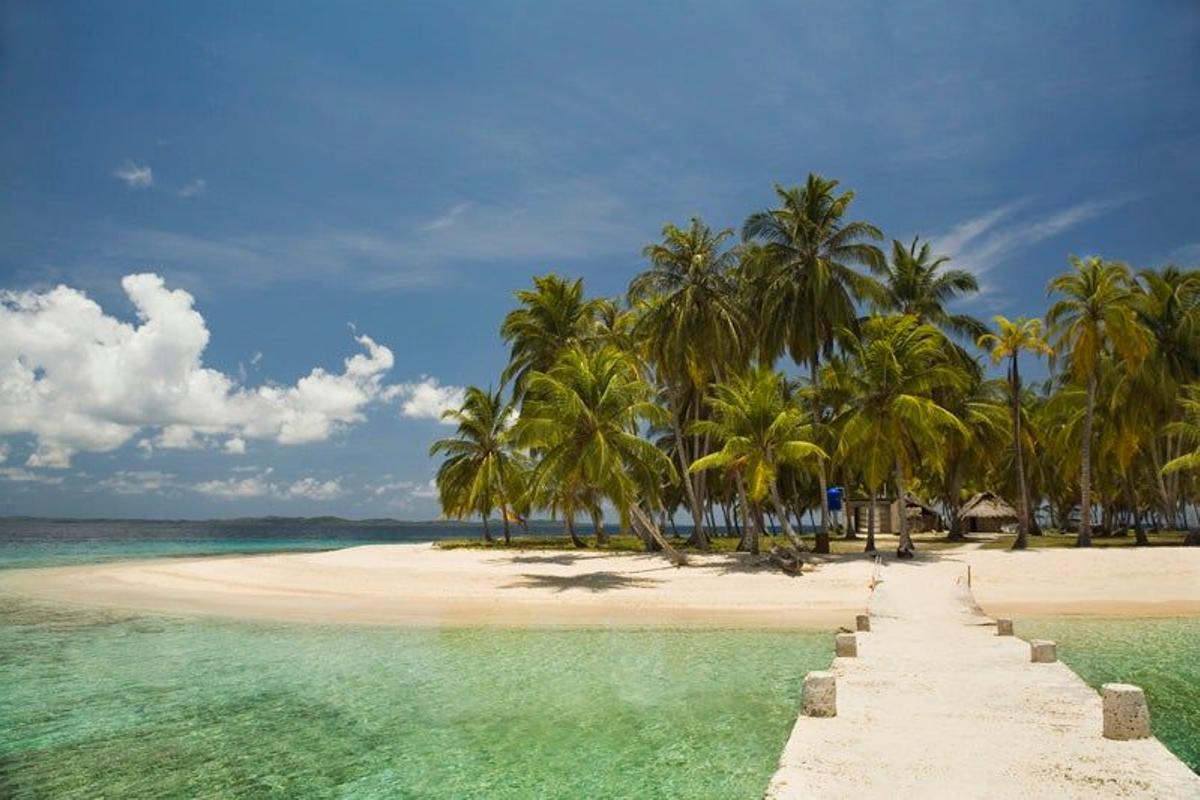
845, 645
862, 622
1126, 715
1004, 627
1042, 651
820, 695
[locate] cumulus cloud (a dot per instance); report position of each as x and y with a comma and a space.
78, 379
195, 188
425, 399
135, 176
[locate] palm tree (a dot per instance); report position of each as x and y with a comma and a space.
1187, 428
759, 433
480, 466
892, 372
806, 285
916, 283
583, 417
553, 316
693, 326
1094, 314
1007, 343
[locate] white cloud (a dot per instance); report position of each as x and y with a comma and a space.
80, 380
18, 475
447, 219
138, 482
260, 485
425, 399
980, 243
195, 188
235, 445
313, 489
136, 176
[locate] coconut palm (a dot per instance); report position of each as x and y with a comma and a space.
693, 326
553, 316
1094, 314
893, 369
583, 416
806, 282
480, 466
1187, 428
759, 433
917, 283
1006, 344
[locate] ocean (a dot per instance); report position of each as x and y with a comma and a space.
102, 703
107, 704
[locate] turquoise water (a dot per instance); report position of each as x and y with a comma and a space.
1160, 655
102, 704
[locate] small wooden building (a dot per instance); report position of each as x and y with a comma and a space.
921, 516
987, 512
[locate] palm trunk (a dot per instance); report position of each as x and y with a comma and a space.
1085, 470
905, 549
1022, 540
1139, 529
822, 543
575, 540
487, 532
749, 518
1168, 505
598, 529
870, 548
507, 532
701, 541
783, 517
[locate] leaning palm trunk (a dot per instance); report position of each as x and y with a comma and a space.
641, 521
1085, 470
783, 517
487, 531
905, 549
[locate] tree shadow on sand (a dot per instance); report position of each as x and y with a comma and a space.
603, 581
562, 559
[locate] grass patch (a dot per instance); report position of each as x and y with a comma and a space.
1053, 539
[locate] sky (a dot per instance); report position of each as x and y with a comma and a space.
250, 251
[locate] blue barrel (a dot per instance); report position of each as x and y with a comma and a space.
834, 495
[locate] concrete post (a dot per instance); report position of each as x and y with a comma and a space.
1126, 715
862, 622
1042, 651
1004, 627
845, 645
820, 695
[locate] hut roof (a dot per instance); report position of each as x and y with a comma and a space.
987, 505
911, 502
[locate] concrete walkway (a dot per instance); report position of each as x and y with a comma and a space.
937, 705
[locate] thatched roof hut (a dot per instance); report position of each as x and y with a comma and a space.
987, 511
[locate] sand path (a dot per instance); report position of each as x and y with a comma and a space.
937, 705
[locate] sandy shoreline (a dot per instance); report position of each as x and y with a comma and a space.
421, 585
1104, 582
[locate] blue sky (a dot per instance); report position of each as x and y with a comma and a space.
310, 174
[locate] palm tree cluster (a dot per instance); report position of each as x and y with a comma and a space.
745, 375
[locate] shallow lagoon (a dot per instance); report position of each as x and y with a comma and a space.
139, 706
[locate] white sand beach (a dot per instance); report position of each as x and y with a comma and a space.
1101, 582
420, 584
